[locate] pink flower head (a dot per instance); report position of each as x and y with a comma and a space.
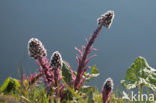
106, 19
107, 90
56, 60
36, 49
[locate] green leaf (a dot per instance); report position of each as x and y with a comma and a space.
5, 84
91, 97
94, 70
140, 73
74, 93
87, 89
66, 73
10, 86
17, 83
93, 73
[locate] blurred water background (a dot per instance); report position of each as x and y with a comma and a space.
62, 25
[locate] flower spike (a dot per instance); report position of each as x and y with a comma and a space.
107, 90
36, 49
56, 60
106, 19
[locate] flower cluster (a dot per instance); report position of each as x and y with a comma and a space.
50, 71
106, 19
36, 49
56, 60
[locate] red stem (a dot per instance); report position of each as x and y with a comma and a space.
87, 50
40, 59
34, 79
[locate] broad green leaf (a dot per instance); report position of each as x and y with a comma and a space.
10, 86
17, 83
5, 85
140, 73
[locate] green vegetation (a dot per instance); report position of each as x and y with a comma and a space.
138, 75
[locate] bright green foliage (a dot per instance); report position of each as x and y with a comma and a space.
67, 77
39, 95
91, 97
66, 73
140, 73
93, 73
94, 70
87, 89
10, 85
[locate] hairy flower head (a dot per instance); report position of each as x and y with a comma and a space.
107, 90
106, 19
56, 60
108, 85
36, 49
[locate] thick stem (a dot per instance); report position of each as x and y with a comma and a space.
141, 92
87, 50
40, 60
106, 95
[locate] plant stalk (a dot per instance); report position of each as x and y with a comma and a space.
87, 49
141, 92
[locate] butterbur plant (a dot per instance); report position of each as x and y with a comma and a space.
37, 51
105, 21
50, 71
107, 90
138, 75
